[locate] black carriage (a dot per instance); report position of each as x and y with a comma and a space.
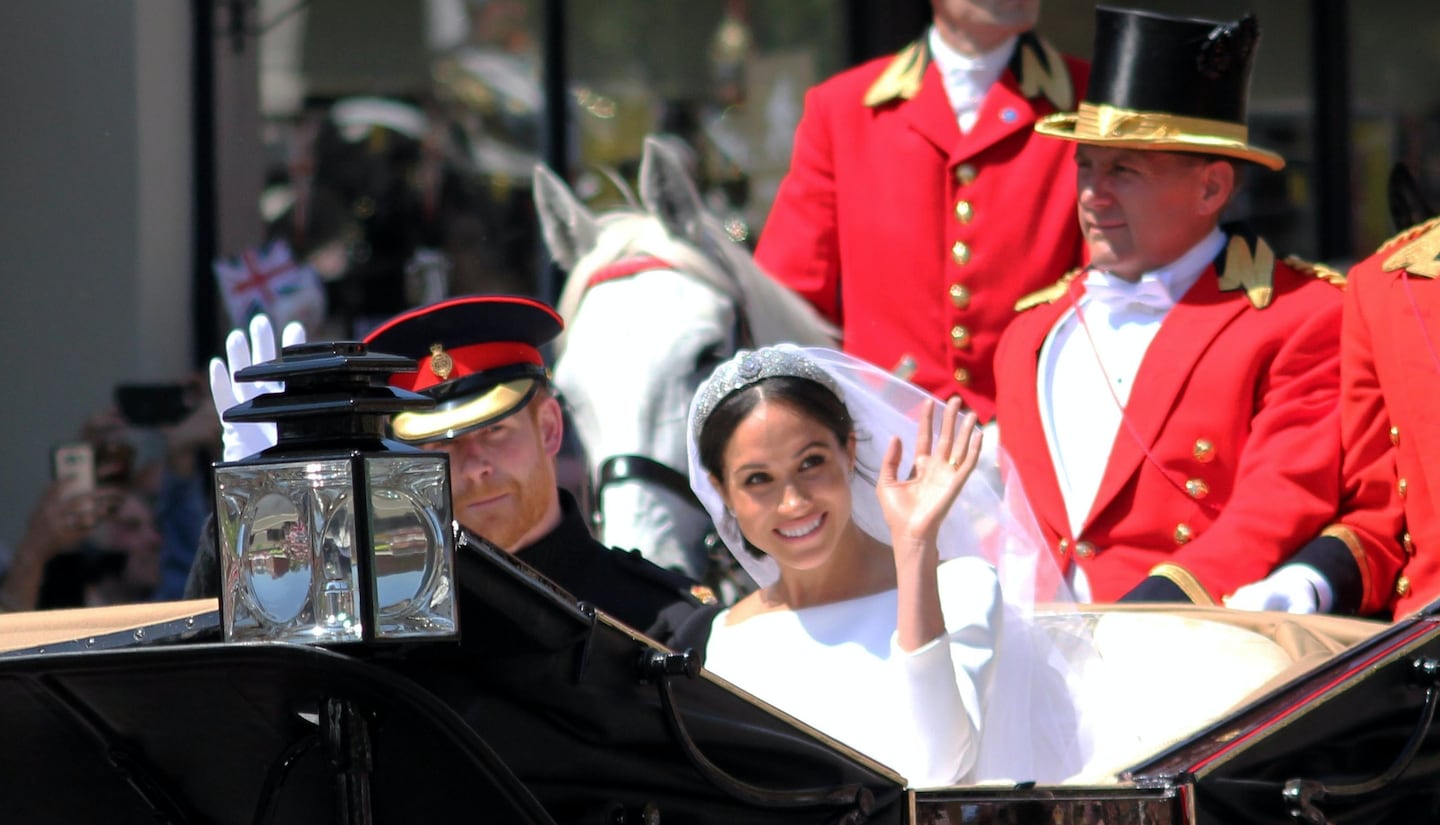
551, 712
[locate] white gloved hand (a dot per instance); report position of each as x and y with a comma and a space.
1294, 588
246, 439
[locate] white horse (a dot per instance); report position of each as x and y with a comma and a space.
656, 298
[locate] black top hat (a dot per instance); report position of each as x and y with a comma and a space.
479, 358
1167, 83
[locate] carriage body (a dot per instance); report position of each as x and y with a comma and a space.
551, 712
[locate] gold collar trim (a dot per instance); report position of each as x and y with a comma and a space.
1049, 294
1039, 69
901, 79
1248, 266
1420, 256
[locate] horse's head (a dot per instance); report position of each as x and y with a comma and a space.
655, 299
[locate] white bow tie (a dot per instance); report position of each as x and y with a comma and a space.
1119, 294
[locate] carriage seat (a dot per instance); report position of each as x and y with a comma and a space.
1161, 673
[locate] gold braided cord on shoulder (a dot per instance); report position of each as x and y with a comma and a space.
1334, 277
1049, 294
1420, 255
1409, 234
901, 79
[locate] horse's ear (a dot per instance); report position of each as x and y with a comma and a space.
1408, 206
569, 228
668, 193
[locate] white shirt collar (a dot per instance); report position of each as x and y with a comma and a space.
968, 78
1175, 278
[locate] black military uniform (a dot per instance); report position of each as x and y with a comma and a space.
622, 583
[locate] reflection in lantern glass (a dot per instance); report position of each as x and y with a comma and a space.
279, 576
405, 497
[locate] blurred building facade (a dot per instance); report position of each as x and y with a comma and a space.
389, 142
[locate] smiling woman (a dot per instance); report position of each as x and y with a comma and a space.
888, 576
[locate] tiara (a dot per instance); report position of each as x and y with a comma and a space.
751, 367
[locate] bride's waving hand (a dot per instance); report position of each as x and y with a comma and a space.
915, 507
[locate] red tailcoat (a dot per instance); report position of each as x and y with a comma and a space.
1390, 389
915, 239
1237, 408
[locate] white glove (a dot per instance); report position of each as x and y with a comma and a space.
1294, 588
246, 439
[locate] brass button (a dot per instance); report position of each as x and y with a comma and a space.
959, 337
1402, 587
960, 253
1408, 543
1063, 547
1197, 488
962, 376
1084, 550
964, 212
959, 296
1395, 436
1183, 533
965, 174
1402, 485
1204, 450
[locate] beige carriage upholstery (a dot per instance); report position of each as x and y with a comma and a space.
1160, 673
20, 631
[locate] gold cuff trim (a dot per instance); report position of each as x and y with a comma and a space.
1357, 552
1186, 581
1127, 128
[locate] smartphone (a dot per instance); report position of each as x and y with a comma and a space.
73, 466
153, 405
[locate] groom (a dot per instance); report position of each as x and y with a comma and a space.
479, 358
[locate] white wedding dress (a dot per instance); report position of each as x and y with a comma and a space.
836, 667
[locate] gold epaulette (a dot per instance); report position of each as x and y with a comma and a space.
1249, 264
901, 79
1049, 294
1409, 234
1321, 271
1040, 69
1420, 255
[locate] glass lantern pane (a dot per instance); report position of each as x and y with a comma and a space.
412, 557
287, 551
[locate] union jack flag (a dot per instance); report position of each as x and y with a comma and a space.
267, 279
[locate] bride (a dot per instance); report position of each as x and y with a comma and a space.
893, 608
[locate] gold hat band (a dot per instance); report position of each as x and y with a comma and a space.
1103, 124
491, 406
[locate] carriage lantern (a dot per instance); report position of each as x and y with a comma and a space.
336, 534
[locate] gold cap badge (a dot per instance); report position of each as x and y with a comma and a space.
441, 364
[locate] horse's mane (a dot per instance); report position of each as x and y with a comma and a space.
775, 312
